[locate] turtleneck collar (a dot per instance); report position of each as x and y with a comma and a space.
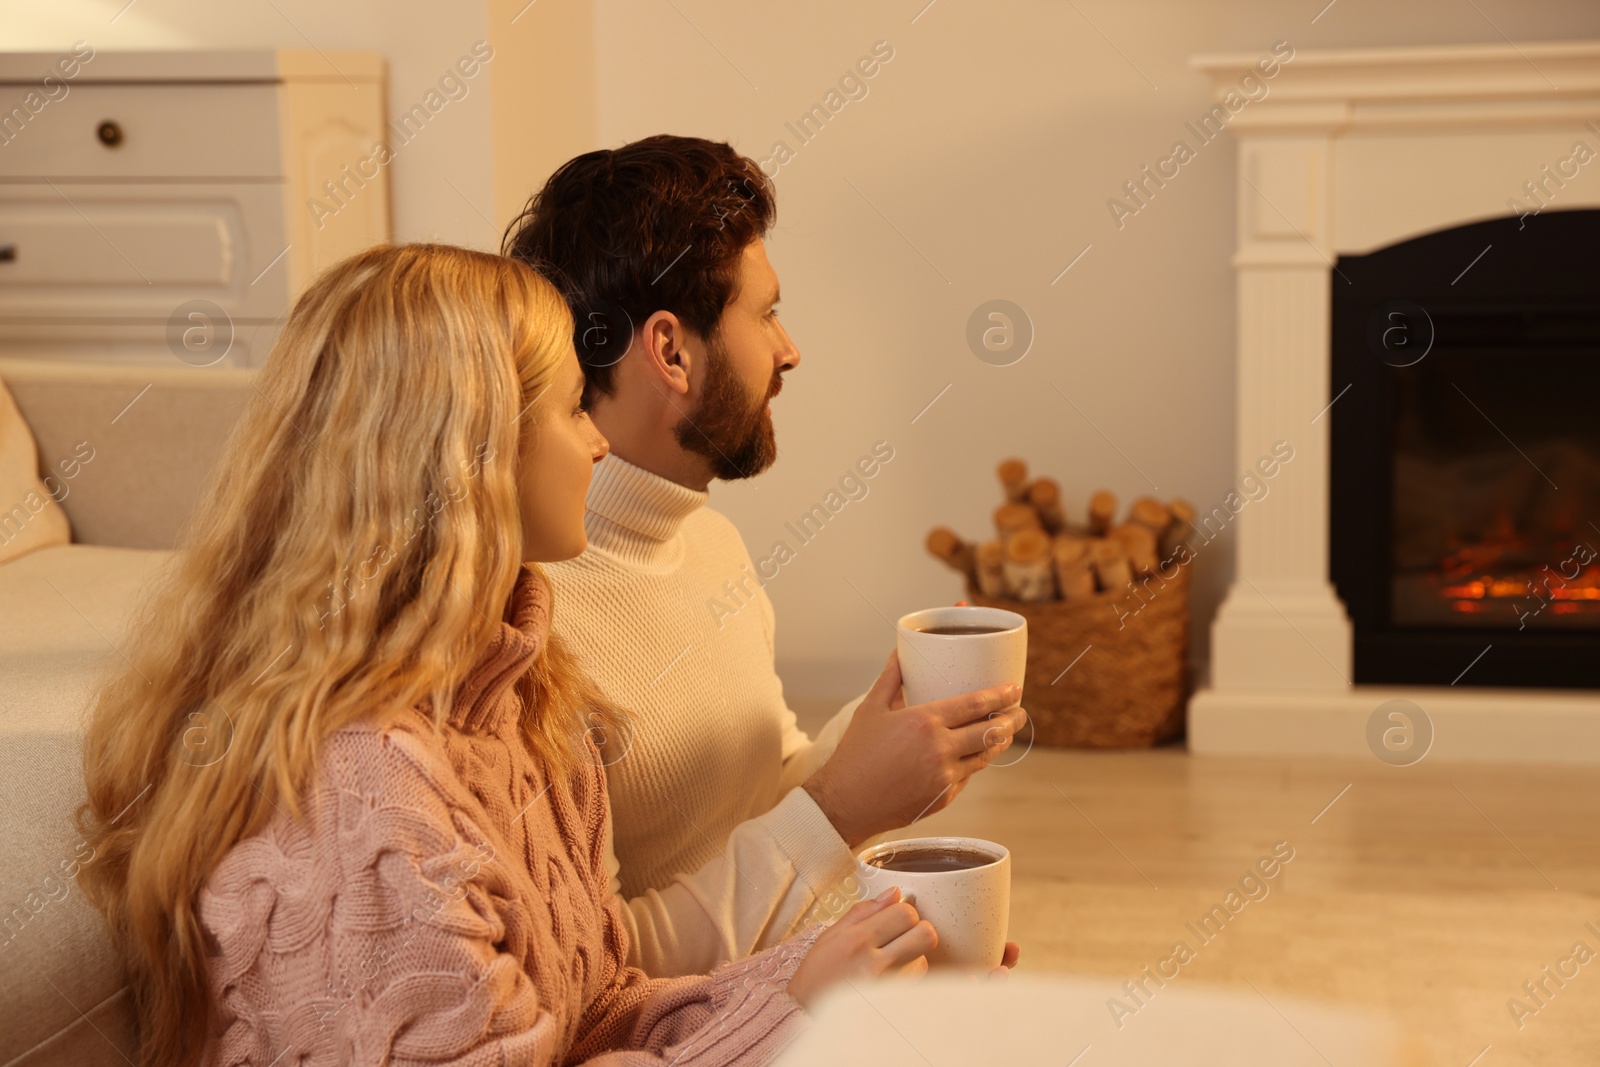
484, 698
637, 516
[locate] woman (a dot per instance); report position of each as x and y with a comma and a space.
347, 800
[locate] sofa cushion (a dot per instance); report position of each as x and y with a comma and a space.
144, 440
30, 517
63, 613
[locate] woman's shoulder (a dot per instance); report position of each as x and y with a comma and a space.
400, 755
378, 789
377, 786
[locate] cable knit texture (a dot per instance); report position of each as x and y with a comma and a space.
444, 902
717, 850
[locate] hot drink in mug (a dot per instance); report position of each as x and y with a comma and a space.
945, 652
961, 885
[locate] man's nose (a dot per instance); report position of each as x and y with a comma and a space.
790, 358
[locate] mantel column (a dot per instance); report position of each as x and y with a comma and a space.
1282, 626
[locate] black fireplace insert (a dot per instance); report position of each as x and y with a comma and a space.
1464, 515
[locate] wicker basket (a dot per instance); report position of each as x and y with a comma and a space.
1129, 689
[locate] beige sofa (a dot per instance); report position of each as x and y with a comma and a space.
153, 435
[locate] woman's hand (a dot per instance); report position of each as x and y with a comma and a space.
874, 938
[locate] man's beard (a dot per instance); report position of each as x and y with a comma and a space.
739, 442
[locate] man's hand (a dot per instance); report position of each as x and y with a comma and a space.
895, 764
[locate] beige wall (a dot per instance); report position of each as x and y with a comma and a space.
545, 56
989, 145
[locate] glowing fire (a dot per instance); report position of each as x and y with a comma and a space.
1494, 574
1586, 586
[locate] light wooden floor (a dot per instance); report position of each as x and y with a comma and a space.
1429, 893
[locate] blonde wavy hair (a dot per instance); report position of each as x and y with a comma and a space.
352, 556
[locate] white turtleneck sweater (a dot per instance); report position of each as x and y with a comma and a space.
715, 848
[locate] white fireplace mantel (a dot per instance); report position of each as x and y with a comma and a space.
1348, 152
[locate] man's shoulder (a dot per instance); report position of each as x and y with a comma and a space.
720, 545
709, 522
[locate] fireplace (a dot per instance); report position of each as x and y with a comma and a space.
1465, 463
1431, 541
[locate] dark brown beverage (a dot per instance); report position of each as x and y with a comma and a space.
931, 860
963, 629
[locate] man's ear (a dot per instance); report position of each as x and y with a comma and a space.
669, 363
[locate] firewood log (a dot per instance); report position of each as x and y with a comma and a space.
1139, 542
990, 560
1150, 512
1111, 566
1027, 566
1182, 527
1009, 519
1013, 479
956, 553
1045, 496
1102, 510
1073, 567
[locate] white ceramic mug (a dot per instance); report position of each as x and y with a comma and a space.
935, 666
968, 908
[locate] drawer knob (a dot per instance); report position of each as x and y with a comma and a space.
8, 253
110, 134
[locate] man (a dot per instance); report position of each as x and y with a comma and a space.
729, 822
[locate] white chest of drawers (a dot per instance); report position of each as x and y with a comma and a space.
164, 206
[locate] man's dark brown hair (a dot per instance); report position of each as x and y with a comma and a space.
656, 225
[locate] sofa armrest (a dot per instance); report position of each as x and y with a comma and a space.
128, 448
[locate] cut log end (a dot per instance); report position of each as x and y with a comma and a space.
1013, 475
1028, 544
1013, 517
1151, 513
1028, 571
944, 544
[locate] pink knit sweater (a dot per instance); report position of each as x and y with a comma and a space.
444, 902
